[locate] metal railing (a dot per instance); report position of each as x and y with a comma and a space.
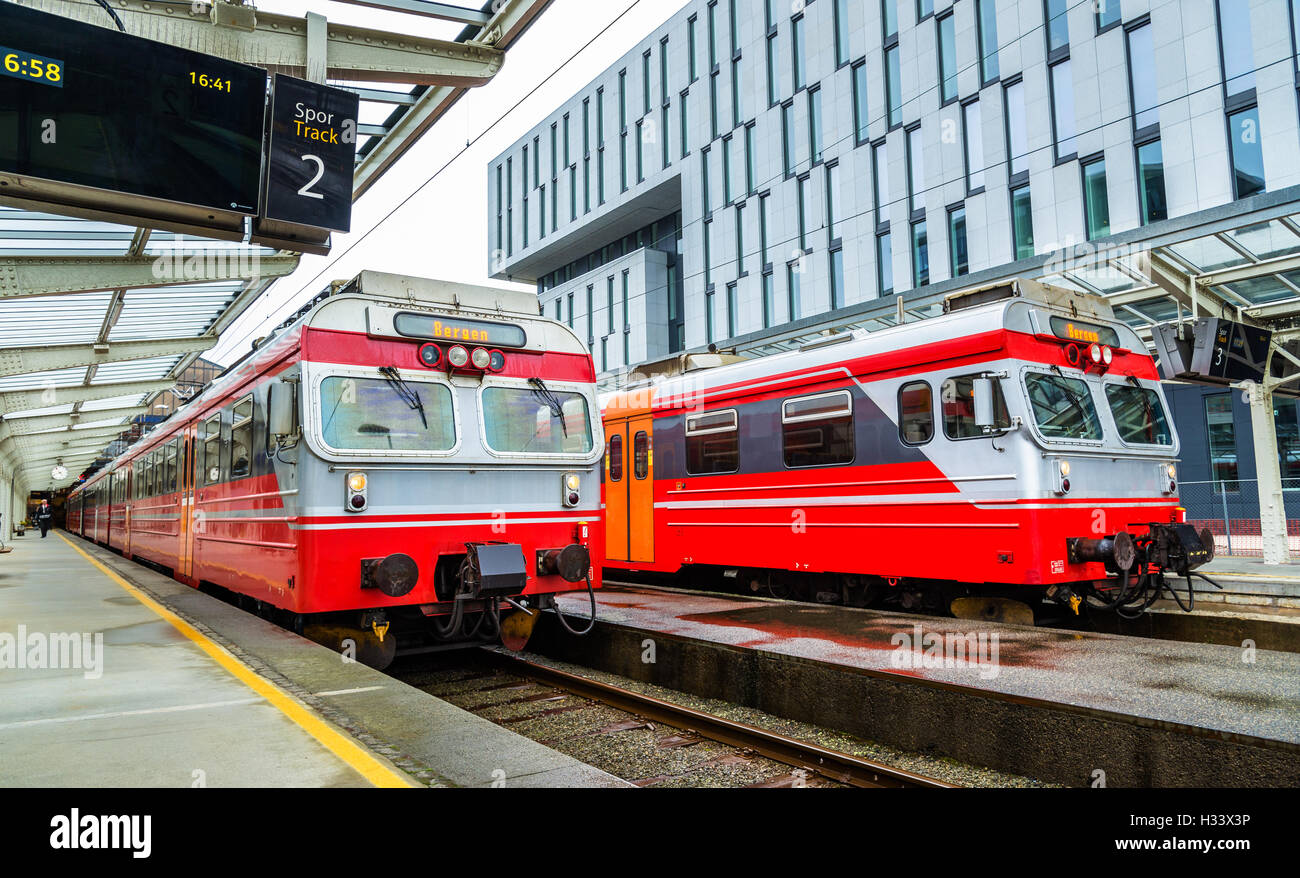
1230, 510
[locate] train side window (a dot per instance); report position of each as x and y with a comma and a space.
818, 430
915, 413
712, 443
641, 455
241, 437
144, 480
616, 457
212, 450
957, 397
169, 479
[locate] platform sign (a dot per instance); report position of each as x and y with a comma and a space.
1230, 351
84, 107
311, 154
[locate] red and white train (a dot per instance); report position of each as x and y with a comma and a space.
1012, 452
402, 454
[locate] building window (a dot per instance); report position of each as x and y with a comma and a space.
889, 18
510, 210
555, 154
566, 140
665, 157
541, 211
787, 137
893, 87
726, 169
622, 101
986, 21
690, 46
600, 175
1151, 182
731, 310
815, 123
735, 93
769, 298
880, 162
920, 255
708, 253
860, 118
705, 205
958, 254
750, 171
773, 87
1108, 14
591, 317
1063, 125
663, 71
915, 171
1142, 78
1058, 26
1096, 205
1022, 223
973, 143
500, 200
1221, 433
640, 140
645, 82
740, 239
792, 275
600, 116
609, 301
713, 104
622, 161
1237, 50
837, 278
732, 26
713, 35
832, 201
798, 60
924, 9
708, 316
841, 12
683, 127
804, 212
1017, 130
573, 193
1247, 153
570, 310
947, 58
762, 230
884, 262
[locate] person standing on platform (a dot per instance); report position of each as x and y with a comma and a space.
44, 517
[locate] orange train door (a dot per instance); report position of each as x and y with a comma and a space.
185, 565
629, 490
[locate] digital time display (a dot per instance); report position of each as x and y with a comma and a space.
34, 68
480, 332
126, 115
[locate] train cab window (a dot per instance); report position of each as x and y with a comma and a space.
212, 450
376, 414
241, 437
1063, 407
536, 420
712, 443
641, 455
616, 457
1138, 414
915, 413
957, 397
818, 430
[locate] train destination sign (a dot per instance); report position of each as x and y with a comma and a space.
481, 332
1084, 333
311, 154
90, 116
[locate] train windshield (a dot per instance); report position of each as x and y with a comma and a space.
375, 414
1062, 407
1138, 414
536, 421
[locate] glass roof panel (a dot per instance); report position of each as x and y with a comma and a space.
1208, 254
1266, 240
48, 320
1259, 290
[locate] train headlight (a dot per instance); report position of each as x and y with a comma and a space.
1062, 477
1106, 355
480, 358
571, 489
1171, 470
1065, 467
430, 355
496, 361
1094, 353
1168, 478
356, 492
457, 356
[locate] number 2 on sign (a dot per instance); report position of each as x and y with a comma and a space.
320, 172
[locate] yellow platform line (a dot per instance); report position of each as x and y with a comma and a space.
345, 748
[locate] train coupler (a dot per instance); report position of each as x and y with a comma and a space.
376, 621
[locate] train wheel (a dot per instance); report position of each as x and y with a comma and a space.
361, 644
993, 609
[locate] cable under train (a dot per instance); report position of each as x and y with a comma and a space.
403, 463
1011, 455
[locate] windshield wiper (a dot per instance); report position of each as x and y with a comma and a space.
1074, 400
404, 391
542, 392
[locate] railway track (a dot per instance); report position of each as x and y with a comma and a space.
830, 764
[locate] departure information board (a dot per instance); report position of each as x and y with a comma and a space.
91, 106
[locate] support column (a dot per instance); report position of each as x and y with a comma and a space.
1272, 511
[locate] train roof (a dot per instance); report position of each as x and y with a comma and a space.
967, 313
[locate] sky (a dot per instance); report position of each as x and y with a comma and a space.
442, 230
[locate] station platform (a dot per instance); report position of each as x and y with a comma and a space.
1249, 581
129, 678
1151, 711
